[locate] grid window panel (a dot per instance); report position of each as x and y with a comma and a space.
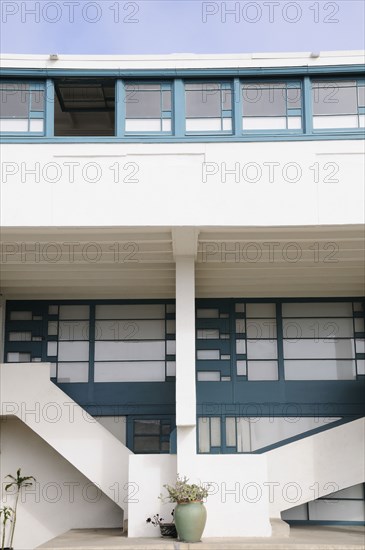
208, 107
22, 107
337, 104
148, 107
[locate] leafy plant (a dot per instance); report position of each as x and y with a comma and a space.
183, 491
18, 483
7, 514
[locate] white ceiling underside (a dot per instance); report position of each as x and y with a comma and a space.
139, 262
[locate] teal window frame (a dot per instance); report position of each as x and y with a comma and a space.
290, 112
227, 84
360, 82
164, 115
34, 87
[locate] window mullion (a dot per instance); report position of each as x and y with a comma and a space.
307, 104
179, 107
120, 109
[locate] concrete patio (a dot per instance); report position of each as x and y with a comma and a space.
323, 537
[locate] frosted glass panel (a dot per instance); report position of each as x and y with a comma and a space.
73, 330
240, 326
215, 430
52, 349
166, 125
15, 357
143, 371
318, 328
36, 125
13, 125
53, 370
171, 347
318, 349
264, 123
73, 351
20, 336
208, 334
74, 312
262, 370
360, 366
347, 121
360, 346
171, 368
131, 329
239, 308
204, 444
227, 124
52, 328
319, 370
207, 313
130, 311
261, 328
208, 354
230, 432
261, 310
73, 372
243, 435
241, 368
320, 309
143, 125
294, 123
241, 346
53, 310
124, 351
203, 124
21, 316
358, 306
209, 376
170, 326
261, 349
359, 324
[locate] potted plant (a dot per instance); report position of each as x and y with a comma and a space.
166, 529
18, 483
190, 513
6, 515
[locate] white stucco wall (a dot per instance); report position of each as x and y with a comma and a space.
115, 184
62, 498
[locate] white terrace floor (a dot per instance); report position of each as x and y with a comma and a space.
301, 538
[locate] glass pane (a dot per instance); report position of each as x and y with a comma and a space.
319, 370
37, 101
146, 444
73, 372
14, 103
361, 96
203, 427
359, 324
166, 100
261, 328
215, 431
170, 326
334, 98
74, 312
261, 349
207, 313
20, 336
319, 349
344, 121
319, 309
170, 368
239, 308
294, 98
204, 125
262, 370
261, 310
318, 328
133, 371
52, 328
241, 368
143, 125
126, 351
130, 311
360, 346
243, 435
147, 427
53, 310
259, 100
360, 366
170, 347
52, 349
241, 346
208, 334
73, 351
131, 329
21, 316
209, 376
240, 326
230, 432
208, 354
143, 104
204, 103
73, 330
15, 357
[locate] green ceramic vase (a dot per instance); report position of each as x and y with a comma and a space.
190, 518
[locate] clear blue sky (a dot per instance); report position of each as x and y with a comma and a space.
179, 26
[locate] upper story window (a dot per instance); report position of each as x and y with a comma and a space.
22, 107
208, 107
338, 104
271, 106
148, 108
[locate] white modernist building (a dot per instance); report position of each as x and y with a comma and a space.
182, 288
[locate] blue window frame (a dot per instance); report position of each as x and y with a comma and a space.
338, 104
208, 107
150, 434
148, 107
271, 106
22, 108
